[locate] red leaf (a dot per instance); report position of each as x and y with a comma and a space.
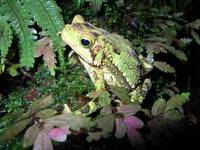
59, 134
42, 142
132, 124
45, 48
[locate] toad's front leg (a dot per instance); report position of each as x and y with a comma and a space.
100, 97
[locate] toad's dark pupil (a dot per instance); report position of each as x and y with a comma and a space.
85, 42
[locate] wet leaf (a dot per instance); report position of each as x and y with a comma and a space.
42, 142
177, 100
30, 136
158, 107
13, 130
120, 130
164, 67
129, 109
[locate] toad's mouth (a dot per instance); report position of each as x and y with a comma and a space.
81, 57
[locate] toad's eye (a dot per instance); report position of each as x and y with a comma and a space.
86, 42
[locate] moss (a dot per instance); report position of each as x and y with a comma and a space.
65, 88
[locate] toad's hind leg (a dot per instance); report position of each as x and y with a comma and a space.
139, 94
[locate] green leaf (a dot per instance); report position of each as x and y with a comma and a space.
164, 67
96, 4
195, 24
78, 3
120, 129
5, 38
177, 100
104, 99
48, 16
153, 48
46, 113
76, 122
158, 107
121, 93
106, 124
173, 115
13, 130
19, 19
106, 111
195, 36
12, 70
178, 53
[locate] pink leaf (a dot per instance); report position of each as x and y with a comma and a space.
59, 134
120, 128
133, 122
134, 136
42, 142
129, 109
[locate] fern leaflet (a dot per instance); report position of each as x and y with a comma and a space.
5, 38
47, 15
19, 19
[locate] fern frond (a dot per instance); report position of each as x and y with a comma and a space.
96, 4
178, 53
164, 67
5, 37
19, 19
47, 15
78, 3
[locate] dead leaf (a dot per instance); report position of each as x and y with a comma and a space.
46, 50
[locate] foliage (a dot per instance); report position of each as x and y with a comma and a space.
96, 4
21, 16
5, 41
194, 28
45, 111
66, 88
